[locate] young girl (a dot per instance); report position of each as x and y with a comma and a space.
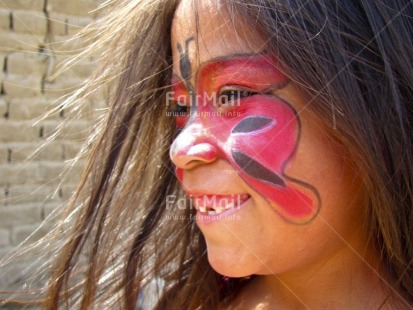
254, 155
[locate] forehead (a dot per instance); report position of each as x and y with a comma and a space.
216, 32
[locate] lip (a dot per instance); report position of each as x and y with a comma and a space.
203, 218
217, 202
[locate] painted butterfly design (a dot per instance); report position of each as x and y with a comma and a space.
257, 133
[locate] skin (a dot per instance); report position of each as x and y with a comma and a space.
250, 127
315, 259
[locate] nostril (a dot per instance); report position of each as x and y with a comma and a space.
194, 155
205, 151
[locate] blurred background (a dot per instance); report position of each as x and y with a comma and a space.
36, 37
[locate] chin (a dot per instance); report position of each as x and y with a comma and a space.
228, 266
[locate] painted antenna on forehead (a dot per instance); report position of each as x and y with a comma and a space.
184, 63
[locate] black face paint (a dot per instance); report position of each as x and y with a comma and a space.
252, 124
256, 170
185, 64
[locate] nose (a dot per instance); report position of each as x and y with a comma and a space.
192, 148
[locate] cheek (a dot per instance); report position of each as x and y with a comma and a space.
260, 146
321, 161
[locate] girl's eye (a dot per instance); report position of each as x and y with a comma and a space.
180, 110
181, 113
232, 96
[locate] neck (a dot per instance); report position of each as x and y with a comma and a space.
346, 280
351, 278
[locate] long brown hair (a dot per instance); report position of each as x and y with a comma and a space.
352, 60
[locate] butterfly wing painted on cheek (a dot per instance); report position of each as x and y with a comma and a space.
259, 146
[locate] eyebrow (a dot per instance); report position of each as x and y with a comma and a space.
229, 57
216, 60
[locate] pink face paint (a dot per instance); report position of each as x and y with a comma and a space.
257, 133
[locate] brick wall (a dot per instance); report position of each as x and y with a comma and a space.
34, 40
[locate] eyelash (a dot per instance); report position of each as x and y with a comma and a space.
181, 114
229, 93
180, 109
233, 95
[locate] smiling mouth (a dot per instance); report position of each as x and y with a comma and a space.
216, 204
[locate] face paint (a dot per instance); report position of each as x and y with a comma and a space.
237, 114
184, 63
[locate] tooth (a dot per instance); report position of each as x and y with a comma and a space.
202, 209
212, 213
229, 205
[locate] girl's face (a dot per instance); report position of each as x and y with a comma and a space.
272, 192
